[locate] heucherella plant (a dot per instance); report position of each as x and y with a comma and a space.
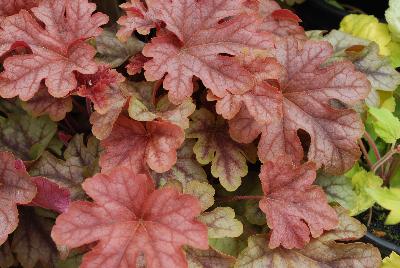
189, 133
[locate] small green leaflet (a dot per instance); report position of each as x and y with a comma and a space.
385, 124
388, 198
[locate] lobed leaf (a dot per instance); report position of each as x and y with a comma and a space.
186, 168
208, 258
45, 104
193, 44
385, 124
135, 145
32, 243
7, 259
11, 7
228, 162
391, 261
203, 191
308, 92
221, 223
320, 252
389, 198
294, 207
16, 187
55, 32
113, 52
129, 213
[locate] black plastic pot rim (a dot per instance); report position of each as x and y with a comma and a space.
382, 243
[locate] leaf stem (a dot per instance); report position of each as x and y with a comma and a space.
385, 158
239, 197
372, 144
365, 153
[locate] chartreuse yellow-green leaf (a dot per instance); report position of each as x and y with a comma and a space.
362, 181
393, 261
388, 198
392, 16
221, 223
367, 27
385, 124
203, 191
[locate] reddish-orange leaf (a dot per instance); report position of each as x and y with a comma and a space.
11, 7
45, 104
16, 187
55, 32
135, 145
50, 195
281, 22
309, 94
294, 207
102, 88
136, 64
200, 31
130, 219
137, 18
263, 101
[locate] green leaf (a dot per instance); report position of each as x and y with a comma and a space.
80, 161
31, 242
142, 108
394, 48
214, 145
392, 16
386, 125
363, 181
338, 189
186, 168
389, 199
203, 191
392, 261
221, 223
114, 52
25, 136
208, 259
367, 27
231, 246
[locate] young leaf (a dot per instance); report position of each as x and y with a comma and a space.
196, 42
50, 195
136, 64
221, 223
135, 145
138, 18
338, 189
208, 258
263, 101
56, 36
80, 162
142, 107
31, 242
308, 91
16, 187
114, 53
385, 124
214, 145
203, 191
392, 17
281, 22
320, 252
293, 206
362, 181
104, 123
128, 213
103, 89
392, 261
11, 7
45, 104
389, 199
186, 168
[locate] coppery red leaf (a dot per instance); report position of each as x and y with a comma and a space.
55, 32
131, 220
198, 33
294, 207
309, 93
11, 7
16, 187
136, 145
